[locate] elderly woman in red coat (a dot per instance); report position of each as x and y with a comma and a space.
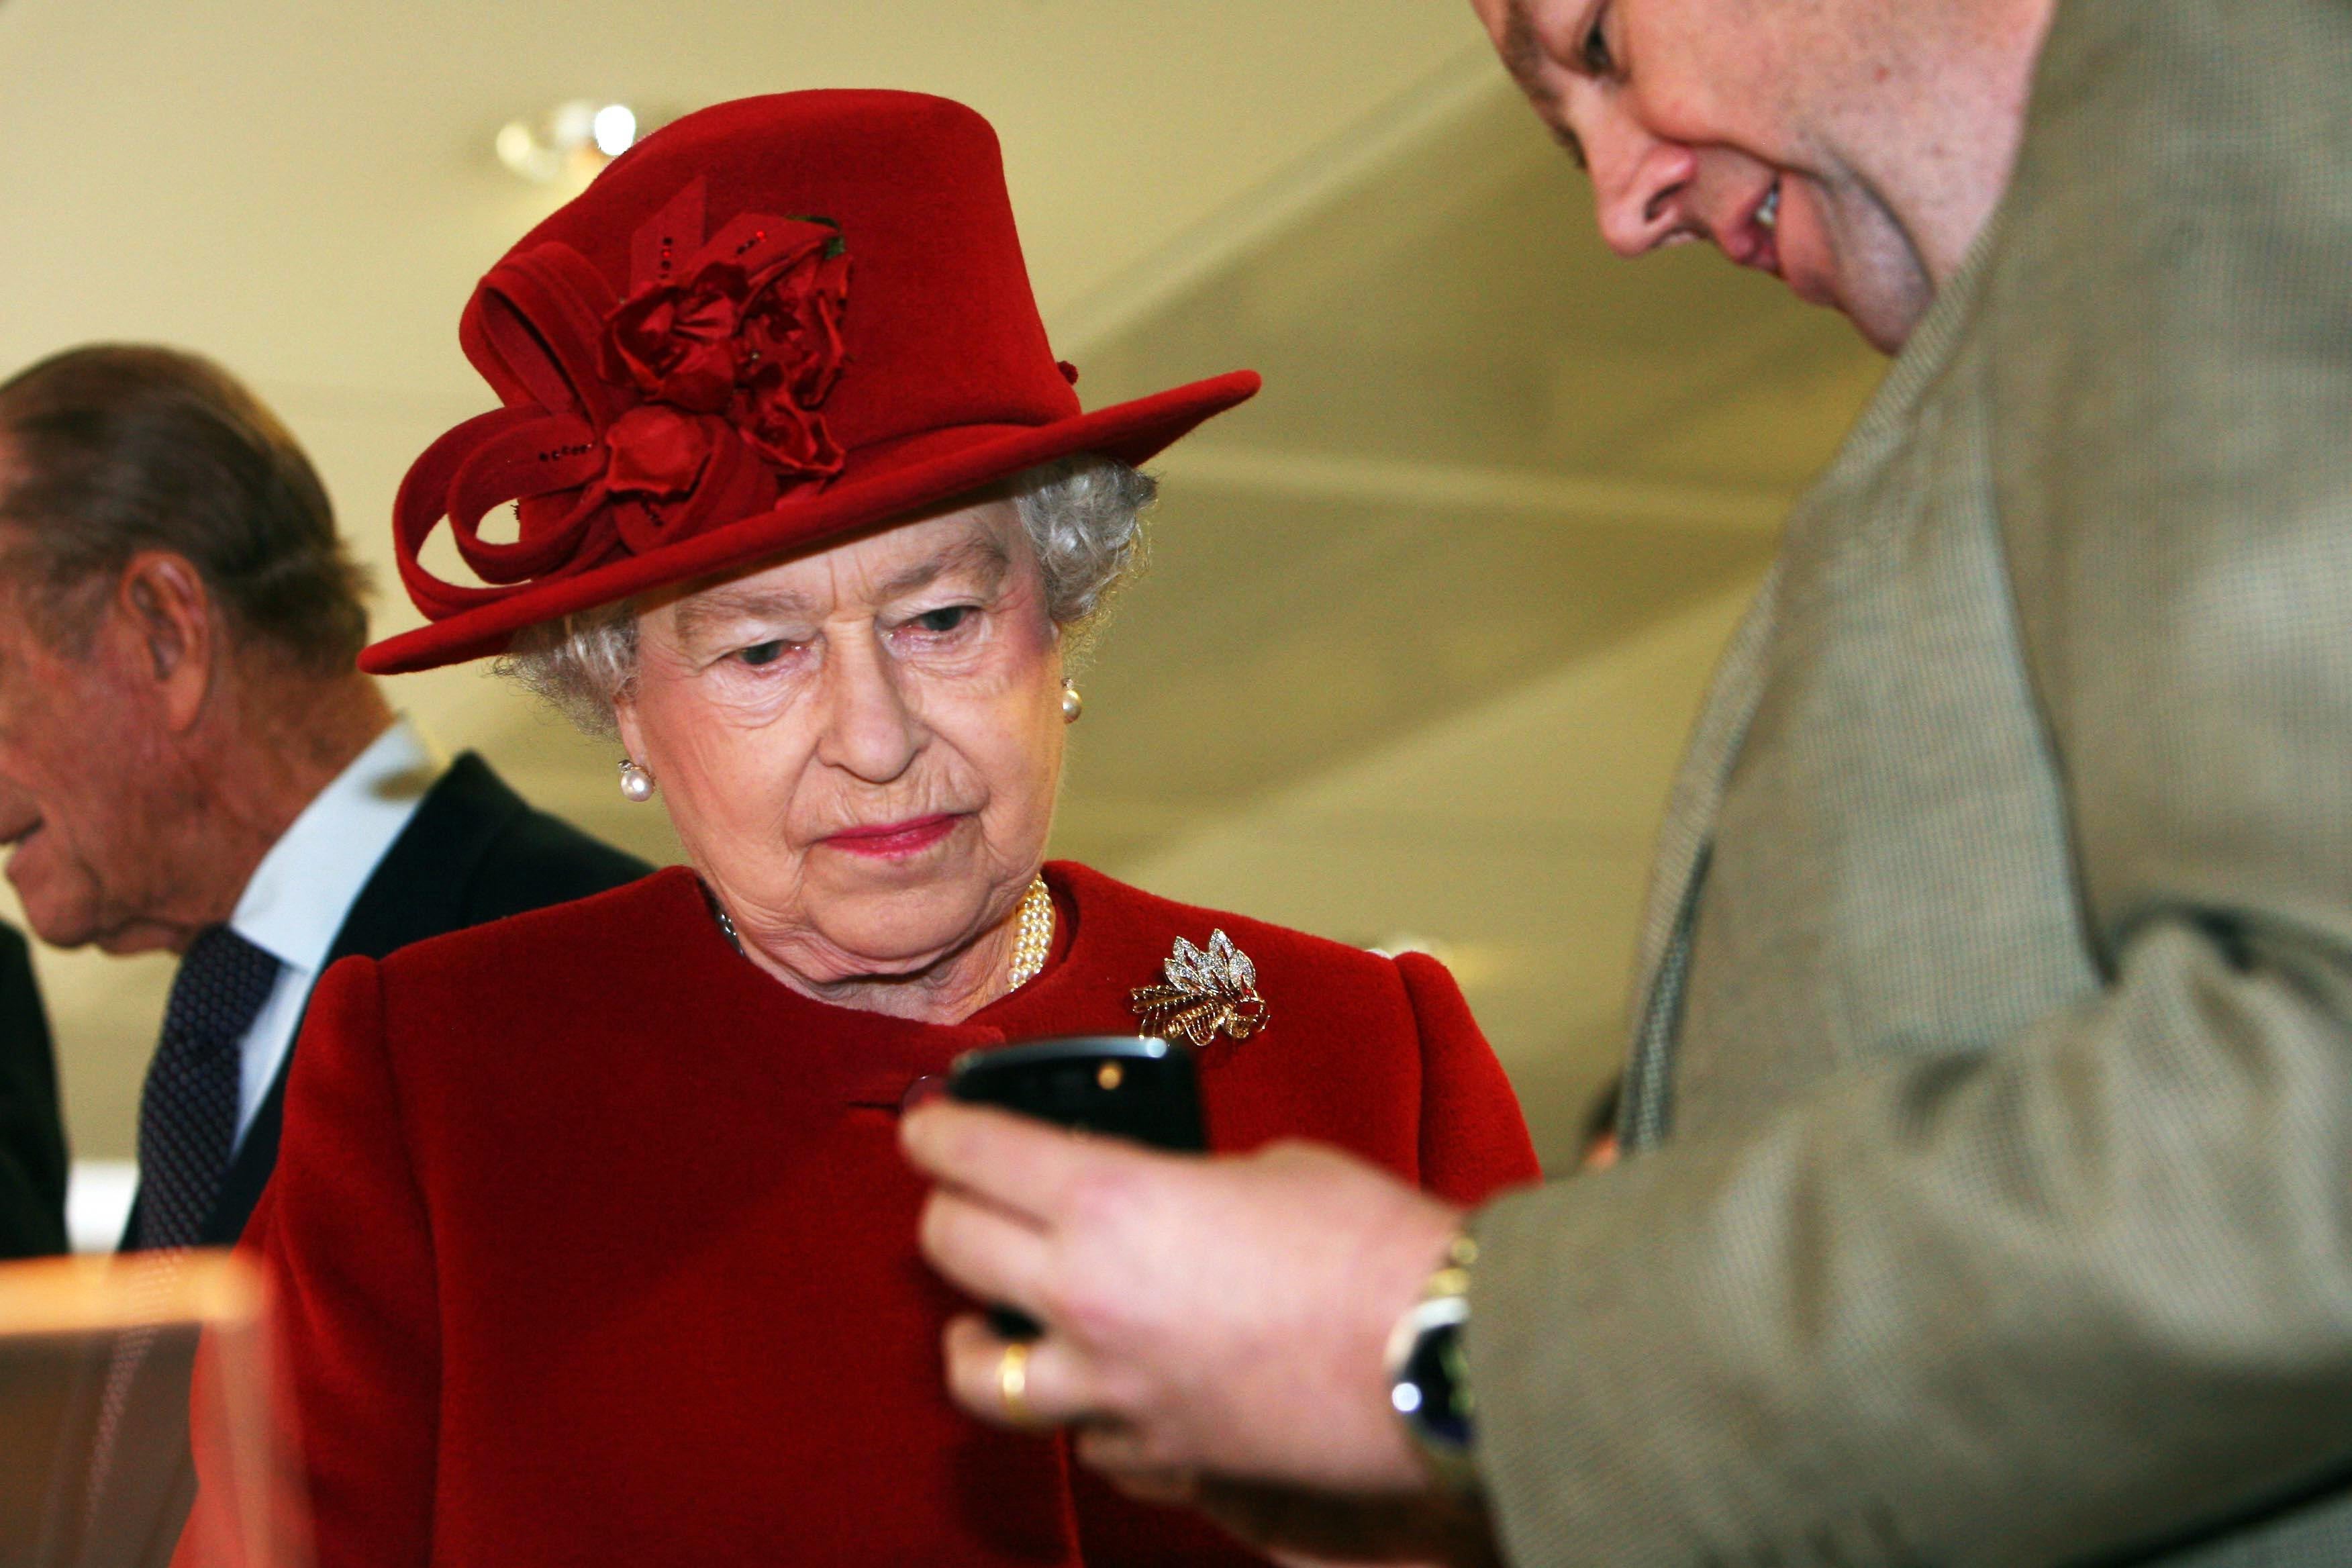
590, 1235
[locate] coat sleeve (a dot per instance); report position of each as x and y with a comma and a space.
2086, 1296
32, 1129
1474, 1140
342, 1234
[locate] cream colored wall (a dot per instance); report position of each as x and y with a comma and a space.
1424, 624
1512, 840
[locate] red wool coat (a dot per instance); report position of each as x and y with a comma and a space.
593, 1244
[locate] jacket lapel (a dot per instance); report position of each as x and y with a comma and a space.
1670, 918
1660, 961
417, 892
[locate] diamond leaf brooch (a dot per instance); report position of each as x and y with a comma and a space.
1209, 992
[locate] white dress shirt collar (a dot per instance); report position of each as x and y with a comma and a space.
304, 889
307, 883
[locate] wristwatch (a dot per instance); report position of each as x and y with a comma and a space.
1429, 1372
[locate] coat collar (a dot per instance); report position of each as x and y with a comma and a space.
873, 1059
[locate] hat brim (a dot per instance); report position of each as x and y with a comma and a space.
903, 476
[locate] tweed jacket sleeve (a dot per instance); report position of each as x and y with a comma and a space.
2087, 1295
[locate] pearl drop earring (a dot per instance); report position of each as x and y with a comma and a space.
1072, 703
636, 784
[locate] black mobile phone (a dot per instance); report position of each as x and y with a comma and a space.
1120, 1086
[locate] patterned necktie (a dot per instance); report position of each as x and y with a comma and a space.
187, 1116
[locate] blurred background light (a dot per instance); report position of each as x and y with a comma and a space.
613, 126
568, 144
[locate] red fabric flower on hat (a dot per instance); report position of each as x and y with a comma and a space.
759, 343
657, 452
676, 342
693, 402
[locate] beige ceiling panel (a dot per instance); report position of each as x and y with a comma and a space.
1512, 838
307, 189
1454, 305
1269, 642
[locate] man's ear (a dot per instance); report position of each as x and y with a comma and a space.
163, 608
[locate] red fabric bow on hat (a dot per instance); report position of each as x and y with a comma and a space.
631, 424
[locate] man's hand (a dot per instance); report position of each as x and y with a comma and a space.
1220, 1318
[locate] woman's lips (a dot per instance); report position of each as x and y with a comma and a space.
896, 840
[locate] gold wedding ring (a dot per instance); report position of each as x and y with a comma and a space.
1013, 1382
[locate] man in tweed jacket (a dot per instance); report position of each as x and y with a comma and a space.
1991, 1079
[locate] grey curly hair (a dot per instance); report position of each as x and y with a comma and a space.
1084, 516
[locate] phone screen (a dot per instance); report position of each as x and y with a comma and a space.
1120, 1086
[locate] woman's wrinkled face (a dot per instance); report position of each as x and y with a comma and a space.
860, 748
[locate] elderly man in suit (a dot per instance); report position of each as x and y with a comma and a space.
1990, 1101
190, 760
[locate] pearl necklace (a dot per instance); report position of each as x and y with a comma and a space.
1035, 937
1031, 944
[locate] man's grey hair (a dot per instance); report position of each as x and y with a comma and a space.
115, 448
1084, 516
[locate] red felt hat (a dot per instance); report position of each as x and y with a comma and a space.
770, 325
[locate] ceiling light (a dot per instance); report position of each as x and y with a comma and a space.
1412, 941
613, 127
568, 144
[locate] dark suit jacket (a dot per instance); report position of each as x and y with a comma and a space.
32, 1133
473, 852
